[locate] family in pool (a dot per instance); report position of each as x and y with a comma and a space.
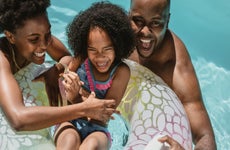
99, 79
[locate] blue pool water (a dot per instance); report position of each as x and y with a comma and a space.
203, 26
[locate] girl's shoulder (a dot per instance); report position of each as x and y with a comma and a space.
121, 68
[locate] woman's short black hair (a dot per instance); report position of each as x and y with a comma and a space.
13, 13
109, 17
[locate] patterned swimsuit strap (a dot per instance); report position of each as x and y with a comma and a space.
89, 75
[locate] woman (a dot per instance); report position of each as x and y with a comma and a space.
27, 37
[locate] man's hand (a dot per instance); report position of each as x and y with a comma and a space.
174, 145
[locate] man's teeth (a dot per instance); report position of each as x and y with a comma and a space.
39, 54
145, 41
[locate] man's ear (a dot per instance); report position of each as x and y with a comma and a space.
9, 36
168, 20
129, 15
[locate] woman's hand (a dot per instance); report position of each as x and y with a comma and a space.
99, 109
174, 145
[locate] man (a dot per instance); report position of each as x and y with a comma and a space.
160, 50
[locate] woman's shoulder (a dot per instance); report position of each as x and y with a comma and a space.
3, 57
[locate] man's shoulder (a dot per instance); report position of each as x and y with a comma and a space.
176, 39
179, 46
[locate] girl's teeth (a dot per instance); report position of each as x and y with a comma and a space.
100, 65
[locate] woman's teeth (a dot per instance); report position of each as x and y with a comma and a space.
39, 54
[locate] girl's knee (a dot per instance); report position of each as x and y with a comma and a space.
68, 139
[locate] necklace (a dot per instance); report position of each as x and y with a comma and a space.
13, 55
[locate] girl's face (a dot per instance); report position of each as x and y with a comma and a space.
100, 50
32, 39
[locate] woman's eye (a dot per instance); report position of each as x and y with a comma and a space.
34, 41
48, 37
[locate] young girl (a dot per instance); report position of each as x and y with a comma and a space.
101, 38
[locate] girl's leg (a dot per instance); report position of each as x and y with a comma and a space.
66, 137
95, 141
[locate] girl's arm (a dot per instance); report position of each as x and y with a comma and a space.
120, 82
71, 81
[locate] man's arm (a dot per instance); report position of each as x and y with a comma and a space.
186, 86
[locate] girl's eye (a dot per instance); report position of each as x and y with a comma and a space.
108, 49
91, 49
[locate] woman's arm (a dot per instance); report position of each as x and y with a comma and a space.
57, 49
37, 117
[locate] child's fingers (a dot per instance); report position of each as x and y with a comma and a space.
70, 77
66, 79
81, 83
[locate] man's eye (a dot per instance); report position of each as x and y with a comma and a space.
138, 22
156, 24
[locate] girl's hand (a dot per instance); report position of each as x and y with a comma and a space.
72, 85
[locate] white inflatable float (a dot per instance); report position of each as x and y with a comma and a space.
149, 109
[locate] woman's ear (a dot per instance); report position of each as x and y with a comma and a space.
9, 36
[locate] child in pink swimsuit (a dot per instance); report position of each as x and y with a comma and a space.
101, 37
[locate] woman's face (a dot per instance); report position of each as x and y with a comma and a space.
100, 50
32, 39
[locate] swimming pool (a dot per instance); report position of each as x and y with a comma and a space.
203, 26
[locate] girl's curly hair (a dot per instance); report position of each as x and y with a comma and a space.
107, 16
13, 13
